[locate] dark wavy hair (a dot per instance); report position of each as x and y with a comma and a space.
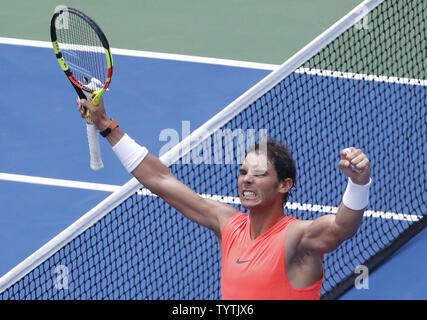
282, 161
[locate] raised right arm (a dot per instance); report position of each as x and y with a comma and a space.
153, 174
156, 177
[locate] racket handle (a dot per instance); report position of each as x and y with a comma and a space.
92, 137
94, 147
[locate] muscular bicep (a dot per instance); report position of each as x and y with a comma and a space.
320, 235
158, 179
326, 233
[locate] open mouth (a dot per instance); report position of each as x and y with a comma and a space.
248, 194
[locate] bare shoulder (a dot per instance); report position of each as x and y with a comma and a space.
222, 211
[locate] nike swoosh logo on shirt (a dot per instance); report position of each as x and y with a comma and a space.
238, 261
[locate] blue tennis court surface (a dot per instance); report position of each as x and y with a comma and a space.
43, 136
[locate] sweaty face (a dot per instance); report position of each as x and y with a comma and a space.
258, 182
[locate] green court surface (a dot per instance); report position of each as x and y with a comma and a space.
251, 30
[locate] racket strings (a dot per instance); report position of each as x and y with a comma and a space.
83, 52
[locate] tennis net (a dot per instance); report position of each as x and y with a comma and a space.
360, 83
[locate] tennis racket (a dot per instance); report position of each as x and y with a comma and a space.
84, 55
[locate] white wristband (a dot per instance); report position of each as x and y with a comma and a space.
356, 197
129, 152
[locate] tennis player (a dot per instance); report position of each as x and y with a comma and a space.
266, 254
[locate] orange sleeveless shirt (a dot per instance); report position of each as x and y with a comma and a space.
255, 269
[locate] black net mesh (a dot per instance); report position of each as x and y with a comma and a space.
144, 249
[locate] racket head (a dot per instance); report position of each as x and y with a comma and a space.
82, 51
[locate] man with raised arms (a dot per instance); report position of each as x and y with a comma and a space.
266, 254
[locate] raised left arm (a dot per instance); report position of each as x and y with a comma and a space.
326, 233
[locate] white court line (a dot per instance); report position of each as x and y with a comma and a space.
154, 55
231, 63
225, 199
59, 182
28, 43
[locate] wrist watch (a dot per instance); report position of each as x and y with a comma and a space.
113, 125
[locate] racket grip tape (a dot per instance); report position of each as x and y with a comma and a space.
92, 136
94, 147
